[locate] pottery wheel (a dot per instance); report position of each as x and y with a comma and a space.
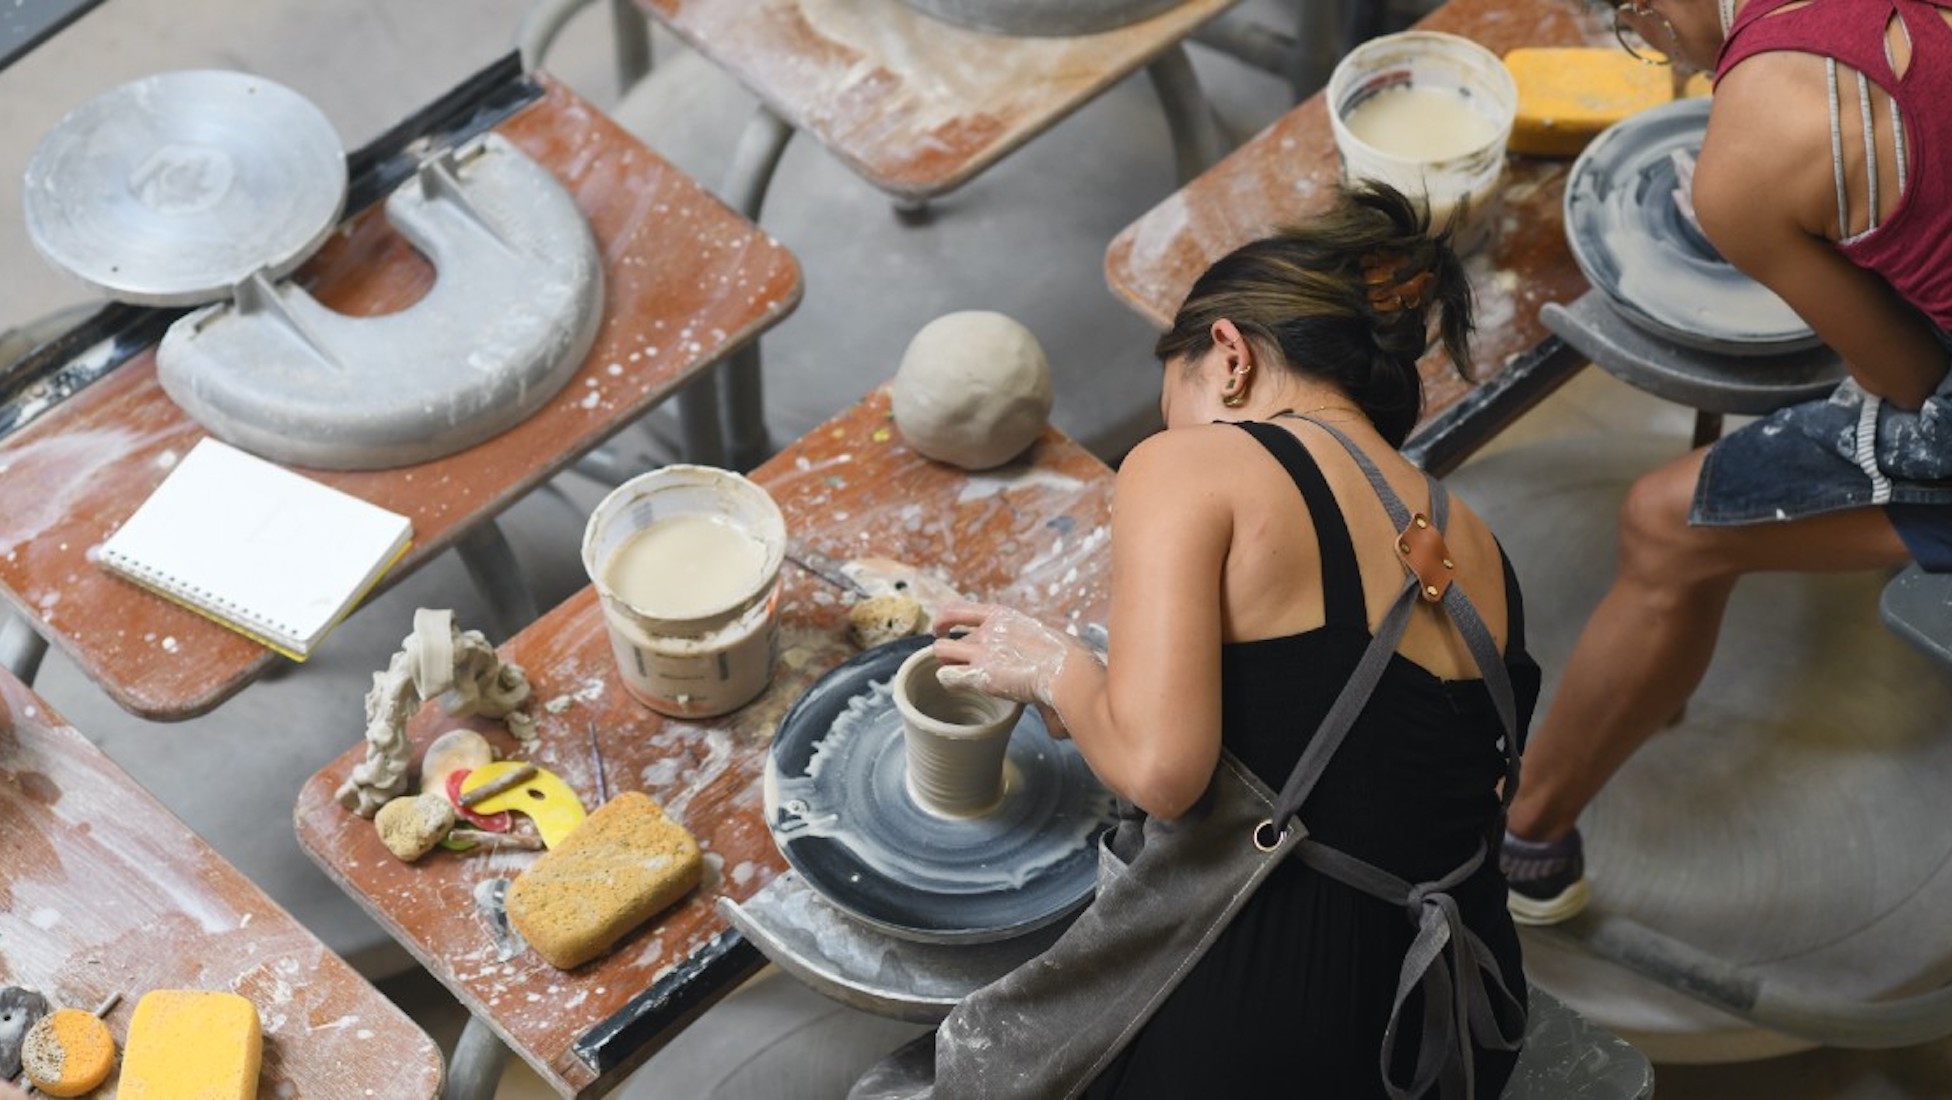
1634, 244
1792, 823
172, 189
838, 805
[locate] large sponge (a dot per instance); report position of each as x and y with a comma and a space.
1566, 96
622, 865
192, 1044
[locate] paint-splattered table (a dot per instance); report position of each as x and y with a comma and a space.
916, 105
103, 891
1289, 170
687, 281
1032, 534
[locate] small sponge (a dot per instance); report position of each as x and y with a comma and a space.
1567, 95
68, 1052
187, 1044
622, 865
878, 620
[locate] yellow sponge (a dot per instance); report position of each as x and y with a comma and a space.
67, 1052
187, 1044
623, 864
1566, 95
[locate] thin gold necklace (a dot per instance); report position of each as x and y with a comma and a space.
1303, 414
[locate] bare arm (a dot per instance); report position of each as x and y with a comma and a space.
1766, 197
1147, 721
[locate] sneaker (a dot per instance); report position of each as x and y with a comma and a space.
1546, 880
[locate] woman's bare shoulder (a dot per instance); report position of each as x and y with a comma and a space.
1168, 452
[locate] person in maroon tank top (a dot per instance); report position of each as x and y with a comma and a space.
1826, 175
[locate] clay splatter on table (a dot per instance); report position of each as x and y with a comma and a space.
1030, 534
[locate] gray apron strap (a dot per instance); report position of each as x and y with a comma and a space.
1477, 637
1464, 995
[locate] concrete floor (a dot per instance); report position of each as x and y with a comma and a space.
1027, 239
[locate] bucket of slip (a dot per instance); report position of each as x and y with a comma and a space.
954, 740
1429, 114
685, 561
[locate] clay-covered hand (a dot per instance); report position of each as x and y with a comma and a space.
1005, 653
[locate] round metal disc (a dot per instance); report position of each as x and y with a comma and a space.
838, 805
1634, 245
172, 189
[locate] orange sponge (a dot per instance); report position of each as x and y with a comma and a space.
188, 1044
623, 864
67, 1052
1567, 95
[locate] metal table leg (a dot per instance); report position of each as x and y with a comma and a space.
491, 564
1320, 36
476, 1067
1252, 42
1196, 137
631, 30
21, 648
698, 416
760, 148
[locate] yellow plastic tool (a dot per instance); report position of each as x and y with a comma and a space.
544, 798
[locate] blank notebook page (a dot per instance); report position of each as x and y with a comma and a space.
256, 546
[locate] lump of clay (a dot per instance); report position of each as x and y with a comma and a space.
973, 390
410, 827
879, 620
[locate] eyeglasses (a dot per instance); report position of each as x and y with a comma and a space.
1630, 40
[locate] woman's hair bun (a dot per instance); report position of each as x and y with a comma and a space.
1347, 297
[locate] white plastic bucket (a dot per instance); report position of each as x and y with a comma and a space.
717, 655
1428, 61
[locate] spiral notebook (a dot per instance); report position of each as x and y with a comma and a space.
258, 548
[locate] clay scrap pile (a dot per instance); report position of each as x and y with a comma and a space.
600, 874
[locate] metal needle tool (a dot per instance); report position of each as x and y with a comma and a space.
596, 759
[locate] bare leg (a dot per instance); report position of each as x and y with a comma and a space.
1648, 643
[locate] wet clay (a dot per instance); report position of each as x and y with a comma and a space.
685, 566
436, 662
955, 740
973, 390
1420, 124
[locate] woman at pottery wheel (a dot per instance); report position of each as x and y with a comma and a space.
1254, 560
1825, 176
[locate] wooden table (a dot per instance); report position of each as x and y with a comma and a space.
1032, 534
916, 105
687, 281
103, 891
1289, 171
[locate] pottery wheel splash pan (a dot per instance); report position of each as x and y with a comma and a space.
1635, 246
838, 805
172, 189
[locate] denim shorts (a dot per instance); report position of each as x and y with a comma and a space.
1847, 450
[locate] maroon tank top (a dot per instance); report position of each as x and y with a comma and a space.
1912, 249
